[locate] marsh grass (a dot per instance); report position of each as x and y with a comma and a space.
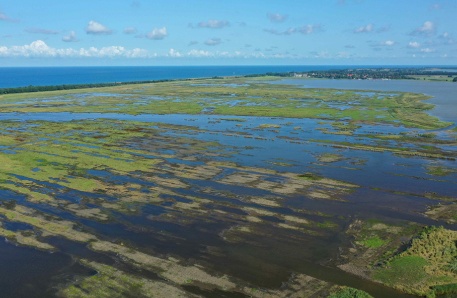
256, 98
405, 269
429, 261
373, 242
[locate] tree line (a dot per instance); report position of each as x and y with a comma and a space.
26, 89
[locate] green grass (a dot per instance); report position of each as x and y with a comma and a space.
310, 176
439, 171
406, 269
373, 242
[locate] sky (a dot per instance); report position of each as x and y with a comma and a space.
235, 32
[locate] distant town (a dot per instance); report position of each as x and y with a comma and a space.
429, 74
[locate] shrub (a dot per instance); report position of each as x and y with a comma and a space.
348, 292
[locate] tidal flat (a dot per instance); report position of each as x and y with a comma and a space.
228, 187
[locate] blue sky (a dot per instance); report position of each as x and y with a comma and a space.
236, 32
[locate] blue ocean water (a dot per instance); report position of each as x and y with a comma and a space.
46, 76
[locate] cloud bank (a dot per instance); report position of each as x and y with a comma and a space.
39, 49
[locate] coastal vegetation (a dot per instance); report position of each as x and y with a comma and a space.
210, 187
237, 97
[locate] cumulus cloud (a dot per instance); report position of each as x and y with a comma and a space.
276, 17
214, 24
413, 45
173, 53
130, 30
305, 30
199, 53
428, 28
97, 29
40, 49
364, 29
213, 41
157, 33
41, 31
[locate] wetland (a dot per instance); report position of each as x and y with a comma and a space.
230, 187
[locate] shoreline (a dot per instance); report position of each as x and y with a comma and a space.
350, 73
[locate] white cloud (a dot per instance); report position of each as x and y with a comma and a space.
388, 43
414, 44
199, 53
288, 31
174, 53
130, 30
97, 29
214, 24
213, 42
364, 29
276, 17
307, 29
428, 28
157, 33
428, 50
41, 31
40, 49
71, 37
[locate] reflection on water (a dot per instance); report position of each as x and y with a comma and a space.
444, 93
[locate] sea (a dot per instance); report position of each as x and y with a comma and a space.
11, 77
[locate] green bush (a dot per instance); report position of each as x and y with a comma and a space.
348, 292
449, 290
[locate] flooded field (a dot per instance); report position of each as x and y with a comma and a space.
235, 187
